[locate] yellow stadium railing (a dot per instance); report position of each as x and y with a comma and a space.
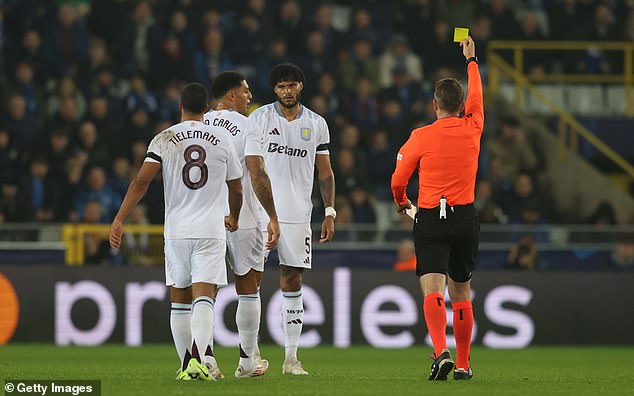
77, 236
569, 127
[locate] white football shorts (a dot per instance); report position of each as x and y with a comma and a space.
190, 261
295, 245
245, 250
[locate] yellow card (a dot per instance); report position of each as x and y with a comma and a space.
459, 34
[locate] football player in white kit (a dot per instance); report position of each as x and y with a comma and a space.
295, 142
197, 160
245, 247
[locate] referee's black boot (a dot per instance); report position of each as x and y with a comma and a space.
441, 367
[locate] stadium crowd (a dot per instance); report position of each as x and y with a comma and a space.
87, 84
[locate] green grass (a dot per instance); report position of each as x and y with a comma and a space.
150, 370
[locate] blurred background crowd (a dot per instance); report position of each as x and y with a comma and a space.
87, 84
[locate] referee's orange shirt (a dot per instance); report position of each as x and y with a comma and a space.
446, 154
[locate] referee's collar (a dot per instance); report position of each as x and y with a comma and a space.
279, 112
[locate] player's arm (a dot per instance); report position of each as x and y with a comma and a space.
406, 162
135, 192
235, 204
326, 179
474, 105
262, 188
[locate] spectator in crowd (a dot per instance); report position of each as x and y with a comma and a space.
349, 174
510, 146
38, 195
523, 255
96, 247
247, 41
360, 62
139, 40
438, 51
66, 41
406, 91
98, 57
140, 97
399, 55
288, 23
535, 61
326, 86
380, 152
363, 104
88, 141
322, 22
315, 59
120, 176
8, 202
136, 245
65, 88
26, 86
173, 64
8, 158
32, 53
395, 122
362, 209
405, 257
95, 189
276, 54
622, 257
502, 19
210, 60
23, 130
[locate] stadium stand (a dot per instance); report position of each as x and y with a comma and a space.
80, 102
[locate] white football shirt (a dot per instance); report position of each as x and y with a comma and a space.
290, 149
246, 140
197, 160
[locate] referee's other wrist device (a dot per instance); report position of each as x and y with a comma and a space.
330, 211
472, 59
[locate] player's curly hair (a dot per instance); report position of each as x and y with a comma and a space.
285, 72
225, 82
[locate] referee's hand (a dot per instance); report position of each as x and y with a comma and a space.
401, 208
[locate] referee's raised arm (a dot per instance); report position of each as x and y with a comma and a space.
474, 105
446, 228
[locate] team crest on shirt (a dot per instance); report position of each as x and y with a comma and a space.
306, 134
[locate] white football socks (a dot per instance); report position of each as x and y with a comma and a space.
293, 319
180, 323
202, 324
248, 322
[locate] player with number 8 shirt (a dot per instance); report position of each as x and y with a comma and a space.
196, 160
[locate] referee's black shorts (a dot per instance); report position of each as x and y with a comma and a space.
447, 246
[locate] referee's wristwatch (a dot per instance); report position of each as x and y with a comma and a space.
472, 59
330, 211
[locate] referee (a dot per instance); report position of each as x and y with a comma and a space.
446, 227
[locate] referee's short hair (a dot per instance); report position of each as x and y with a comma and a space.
285, 72
195, 98
449, 94
225, 82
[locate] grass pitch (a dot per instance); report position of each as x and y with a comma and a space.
362, 370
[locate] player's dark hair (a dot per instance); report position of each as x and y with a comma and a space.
449, 95
195, 98
285, 72
225, 82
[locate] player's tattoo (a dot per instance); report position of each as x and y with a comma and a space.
262, 188
327, 188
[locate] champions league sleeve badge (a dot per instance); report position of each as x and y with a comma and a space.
306, 134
